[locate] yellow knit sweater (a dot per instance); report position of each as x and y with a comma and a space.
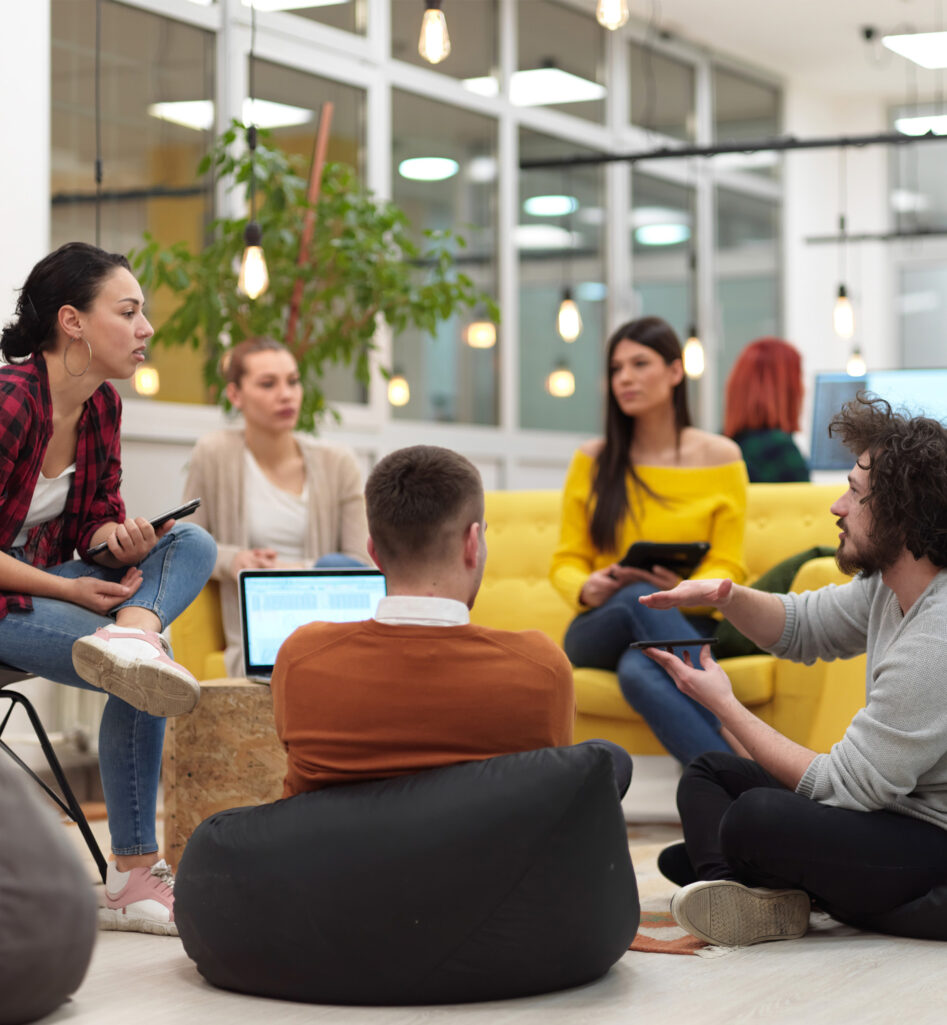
702, 503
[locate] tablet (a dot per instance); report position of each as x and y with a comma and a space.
681, 558
691, 642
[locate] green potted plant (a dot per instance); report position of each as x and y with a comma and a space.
363, 266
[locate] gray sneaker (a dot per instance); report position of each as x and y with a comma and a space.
729, 914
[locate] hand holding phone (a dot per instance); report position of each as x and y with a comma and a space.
158, 521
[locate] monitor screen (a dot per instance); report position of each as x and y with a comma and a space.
918, 392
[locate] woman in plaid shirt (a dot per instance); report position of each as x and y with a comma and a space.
93, 622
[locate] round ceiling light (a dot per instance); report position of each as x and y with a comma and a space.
428, 169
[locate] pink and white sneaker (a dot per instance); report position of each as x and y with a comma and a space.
133, 665
140, 900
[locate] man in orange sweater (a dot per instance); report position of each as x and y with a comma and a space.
419, 686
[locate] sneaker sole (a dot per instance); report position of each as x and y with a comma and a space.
146, 684
728, 914
114, 920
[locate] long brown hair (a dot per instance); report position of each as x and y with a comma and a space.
614, 461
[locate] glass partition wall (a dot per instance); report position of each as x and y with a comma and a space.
525, 81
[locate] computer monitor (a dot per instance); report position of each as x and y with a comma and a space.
918, 392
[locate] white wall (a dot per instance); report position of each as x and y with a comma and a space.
811, 208
25, 86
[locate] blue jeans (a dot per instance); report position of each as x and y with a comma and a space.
599, 639
130, 741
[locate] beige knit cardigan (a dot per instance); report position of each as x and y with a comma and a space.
336, 512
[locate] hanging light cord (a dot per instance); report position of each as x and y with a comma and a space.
251, 128
842, 200
98, 121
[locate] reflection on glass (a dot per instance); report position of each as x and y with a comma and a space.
745, 109
747, 273
348, 15
663, 242
662, 93
453, 376
560, 241
472, 25
561, 59
277, 84
149, 164
919, 188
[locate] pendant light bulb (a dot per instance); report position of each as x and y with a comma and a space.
568, 320
481, 334
434, 42
856, 366
399, 391
843, 316
561, 382
612, 14
254, 277
693, 356
146, 381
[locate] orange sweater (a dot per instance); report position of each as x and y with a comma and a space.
367, 700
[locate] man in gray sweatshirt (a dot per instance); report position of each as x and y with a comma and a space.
862, 830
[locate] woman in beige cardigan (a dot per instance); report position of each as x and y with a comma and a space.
272, 497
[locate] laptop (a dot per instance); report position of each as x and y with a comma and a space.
274, 602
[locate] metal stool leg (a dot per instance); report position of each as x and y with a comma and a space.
67, 802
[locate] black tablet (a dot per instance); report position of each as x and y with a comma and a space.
681, 558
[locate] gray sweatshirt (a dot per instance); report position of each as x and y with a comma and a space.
893, 756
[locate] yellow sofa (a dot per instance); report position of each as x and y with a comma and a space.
810, 704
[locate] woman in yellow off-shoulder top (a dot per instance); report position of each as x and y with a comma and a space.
653, 478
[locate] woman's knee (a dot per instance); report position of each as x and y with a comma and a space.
198, 545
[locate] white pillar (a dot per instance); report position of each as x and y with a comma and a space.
24, 179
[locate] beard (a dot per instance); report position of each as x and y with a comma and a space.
868, 558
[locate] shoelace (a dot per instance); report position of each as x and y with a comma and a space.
162, 870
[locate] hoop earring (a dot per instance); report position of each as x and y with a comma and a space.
65, 353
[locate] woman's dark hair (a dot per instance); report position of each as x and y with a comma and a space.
609, 491
233, 363
73, 275
907, 477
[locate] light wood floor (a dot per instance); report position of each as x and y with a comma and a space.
832, 976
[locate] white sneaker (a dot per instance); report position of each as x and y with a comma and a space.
729, 914
140, 900
134, 666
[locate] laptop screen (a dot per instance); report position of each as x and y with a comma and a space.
273, 603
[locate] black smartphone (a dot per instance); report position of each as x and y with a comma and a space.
171, 514
692, 642
681, 558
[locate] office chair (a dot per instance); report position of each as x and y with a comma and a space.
66, 799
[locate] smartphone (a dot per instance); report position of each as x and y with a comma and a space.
682, 558
171, 514
691, 642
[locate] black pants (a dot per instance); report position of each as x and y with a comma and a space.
741, 823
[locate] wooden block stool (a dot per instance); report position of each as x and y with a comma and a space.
224, 754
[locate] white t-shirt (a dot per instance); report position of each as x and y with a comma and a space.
275, 518
48, 501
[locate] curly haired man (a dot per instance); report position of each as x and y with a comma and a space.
860, 831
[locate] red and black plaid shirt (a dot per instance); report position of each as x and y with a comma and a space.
26, 425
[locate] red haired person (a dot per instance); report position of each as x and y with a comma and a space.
764, 396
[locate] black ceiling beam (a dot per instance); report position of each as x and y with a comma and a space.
781, 143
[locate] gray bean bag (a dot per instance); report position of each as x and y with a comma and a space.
479, 881
47, 905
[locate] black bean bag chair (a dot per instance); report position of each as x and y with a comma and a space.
480, 881
47, 905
